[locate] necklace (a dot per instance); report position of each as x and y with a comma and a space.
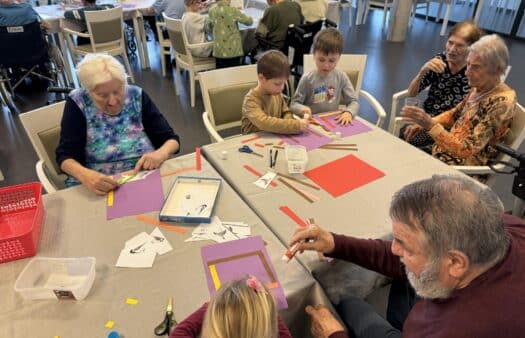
476, 97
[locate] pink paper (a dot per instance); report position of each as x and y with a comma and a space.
307, 139
137, 197
227, 261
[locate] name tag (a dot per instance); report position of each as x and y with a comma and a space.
15, 29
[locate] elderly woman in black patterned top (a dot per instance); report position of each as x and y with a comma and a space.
445, 74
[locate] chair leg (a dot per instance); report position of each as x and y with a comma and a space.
177, 78
128, 66
350, 12
163, 63
192, 88
385, 10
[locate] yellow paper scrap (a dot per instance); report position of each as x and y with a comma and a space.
110, 198
132, 301
215, 277
109, 324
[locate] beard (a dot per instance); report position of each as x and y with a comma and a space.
427, 284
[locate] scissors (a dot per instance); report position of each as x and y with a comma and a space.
248, 150
164, 328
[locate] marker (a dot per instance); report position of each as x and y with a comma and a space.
290, 253
270, 158
275, 157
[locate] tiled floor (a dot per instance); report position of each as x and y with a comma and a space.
390, 66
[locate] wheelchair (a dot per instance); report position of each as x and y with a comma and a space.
26, 52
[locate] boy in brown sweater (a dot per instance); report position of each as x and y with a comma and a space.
264, 108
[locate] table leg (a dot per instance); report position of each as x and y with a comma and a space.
399, 19
445, 19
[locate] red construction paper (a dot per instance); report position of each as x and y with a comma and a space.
343, 175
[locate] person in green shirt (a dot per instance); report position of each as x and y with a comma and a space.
222, 22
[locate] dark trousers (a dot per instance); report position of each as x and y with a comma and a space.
225, 63
365, 322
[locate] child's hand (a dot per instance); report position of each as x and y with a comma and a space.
304, 124
344, 118
305, 110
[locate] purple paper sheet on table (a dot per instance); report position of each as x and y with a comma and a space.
128, 6
307, 139
358, 127
227, 261
137, 197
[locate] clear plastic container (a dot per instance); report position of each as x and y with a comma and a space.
297, 157
62, 278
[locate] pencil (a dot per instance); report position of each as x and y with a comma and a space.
298, 181
295, 189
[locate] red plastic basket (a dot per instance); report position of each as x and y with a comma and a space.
21, 215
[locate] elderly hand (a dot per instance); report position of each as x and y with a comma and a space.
323, 322
150, 161
313, 238
418, 116
98, 183
344, 118
412, 131
435, 65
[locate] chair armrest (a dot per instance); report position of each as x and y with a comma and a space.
378, 108
42, 177
199, 45
393, 111
72, 32
215, 137
475, 169
160, 25
399, 122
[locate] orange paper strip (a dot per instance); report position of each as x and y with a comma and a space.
153, 221
288, 212
251, 139
259, 145
178, 171
198, 160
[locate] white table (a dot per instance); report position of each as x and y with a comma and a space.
76, 226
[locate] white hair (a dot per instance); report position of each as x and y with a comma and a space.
98, 68
493, 52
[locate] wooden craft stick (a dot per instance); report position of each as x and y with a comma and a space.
278, 147
295, 189
329, 114
251, 139
342, 144
178, 171
338, 148
298, 181
312, 196
269, 144
327, 121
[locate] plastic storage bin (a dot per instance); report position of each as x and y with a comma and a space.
21, 215
62, 278
297, 157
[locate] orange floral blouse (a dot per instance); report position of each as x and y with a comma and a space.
475, 124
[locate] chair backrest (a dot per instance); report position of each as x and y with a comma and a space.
352, 64
175, 32
42, 125
223, 92
22, 46
105, 27
516, 134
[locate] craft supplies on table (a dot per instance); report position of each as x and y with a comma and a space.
297, 158
191, 200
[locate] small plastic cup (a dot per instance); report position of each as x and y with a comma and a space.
412, 101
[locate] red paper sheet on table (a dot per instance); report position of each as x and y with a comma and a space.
343, 175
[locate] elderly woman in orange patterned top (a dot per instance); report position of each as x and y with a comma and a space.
481, 119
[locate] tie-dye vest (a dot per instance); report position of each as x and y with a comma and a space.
113, 143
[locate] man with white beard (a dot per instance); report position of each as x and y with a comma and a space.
462, 256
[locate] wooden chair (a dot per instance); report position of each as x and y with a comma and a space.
42, 125
223, 92
106, 33
183, 57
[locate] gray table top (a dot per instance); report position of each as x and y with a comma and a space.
76, 226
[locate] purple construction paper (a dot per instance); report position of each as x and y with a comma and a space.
128, 6
307, 139
240, 267
358, 127
137, 197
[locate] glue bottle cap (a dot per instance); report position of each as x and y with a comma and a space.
113, 334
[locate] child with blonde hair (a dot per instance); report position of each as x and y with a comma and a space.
241, 308
326, 87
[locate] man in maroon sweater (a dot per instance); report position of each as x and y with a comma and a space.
460, 253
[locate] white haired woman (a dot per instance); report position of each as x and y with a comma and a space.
109, 127
481, 119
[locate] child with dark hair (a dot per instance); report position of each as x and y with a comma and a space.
326, 87
264, 107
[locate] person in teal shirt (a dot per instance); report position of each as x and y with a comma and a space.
223, 22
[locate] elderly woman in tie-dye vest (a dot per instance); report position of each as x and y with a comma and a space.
109, 127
